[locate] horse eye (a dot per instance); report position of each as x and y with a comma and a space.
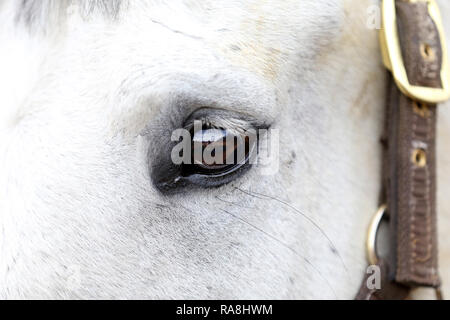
216, 152
212, 148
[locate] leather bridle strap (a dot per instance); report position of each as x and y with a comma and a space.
409, 166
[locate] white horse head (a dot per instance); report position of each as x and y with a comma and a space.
91, 92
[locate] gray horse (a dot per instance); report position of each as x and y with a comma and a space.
91, 92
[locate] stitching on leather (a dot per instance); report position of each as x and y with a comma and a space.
415, 256
429, 200
412, 202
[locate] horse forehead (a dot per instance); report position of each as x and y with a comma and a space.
262, 36
266, 37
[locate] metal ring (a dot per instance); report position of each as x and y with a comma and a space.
371, 241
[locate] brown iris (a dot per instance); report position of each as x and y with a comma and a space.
218, 151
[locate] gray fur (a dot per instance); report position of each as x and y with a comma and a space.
39, 14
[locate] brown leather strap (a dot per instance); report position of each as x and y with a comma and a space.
420, 43
409, 183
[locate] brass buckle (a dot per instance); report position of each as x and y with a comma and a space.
392, 55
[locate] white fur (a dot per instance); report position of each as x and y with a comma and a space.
84, 104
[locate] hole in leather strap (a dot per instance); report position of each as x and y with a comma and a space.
427, 52
419, 158
421, 109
